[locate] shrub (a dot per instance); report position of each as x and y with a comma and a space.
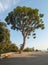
13, 48
28, 49
36, 50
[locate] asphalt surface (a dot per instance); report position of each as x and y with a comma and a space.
37, 60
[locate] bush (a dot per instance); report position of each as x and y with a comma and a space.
28, 49
13, 48
36, 50
4, 48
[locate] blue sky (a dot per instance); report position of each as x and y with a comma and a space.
41, 41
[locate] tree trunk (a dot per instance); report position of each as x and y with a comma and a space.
22, 46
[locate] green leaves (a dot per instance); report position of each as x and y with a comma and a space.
34, 35
2, 24
4, 33
25, 19
41, 15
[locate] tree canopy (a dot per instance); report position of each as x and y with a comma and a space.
4, 36
4, 33
5, 43
26, 20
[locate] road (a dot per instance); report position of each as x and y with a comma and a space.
31, 60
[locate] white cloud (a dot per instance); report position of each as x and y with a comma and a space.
1, 7
5, 4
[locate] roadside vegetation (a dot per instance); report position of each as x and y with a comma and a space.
5, 44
